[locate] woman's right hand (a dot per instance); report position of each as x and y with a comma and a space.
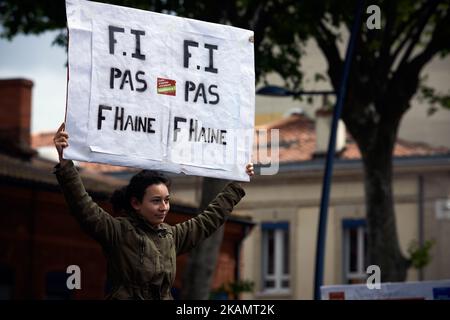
61, 141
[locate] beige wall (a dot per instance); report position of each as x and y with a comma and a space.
417, 125
186, 190
296, 200
295, 197
437, 187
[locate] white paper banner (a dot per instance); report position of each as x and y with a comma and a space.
157, 91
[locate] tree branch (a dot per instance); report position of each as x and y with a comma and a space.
260, 22
327, 43
386, 39
406, 79
439, 41
416, 37
411, 21
406, 28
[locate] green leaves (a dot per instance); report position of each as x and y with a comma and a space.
31, 17
282, 29
235, 287
433, 98
420, 255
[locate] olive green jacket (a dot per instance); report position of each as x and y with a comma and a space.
141, 259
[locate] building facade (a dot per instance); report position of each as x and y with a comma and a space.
280, 254
40, 241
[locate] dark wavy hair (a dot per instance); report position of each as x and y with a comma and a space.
121, 198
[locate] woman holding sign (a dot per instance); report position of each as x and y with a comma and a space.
140, 248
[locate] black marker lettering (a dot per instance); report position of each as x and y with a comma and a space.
142, 124
192, 129
112, 40
149, 125
118, 118
211, 68
129, 121
114, 74
187, 55
127, 74
213, 136
214, 94
200, 93
142, 81
175, 126
189, 86
100, 115
202, 133
222, 137
137, 53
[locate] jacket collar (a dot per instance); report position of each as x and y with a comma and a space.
140, 222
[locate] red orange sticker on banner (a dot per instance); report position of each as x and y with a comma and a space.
166, 86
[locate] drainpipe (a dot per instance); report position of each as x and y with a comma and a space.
420, 205
32, 291
237, 271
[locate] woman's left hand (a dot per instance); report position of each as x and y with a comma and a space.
249, 170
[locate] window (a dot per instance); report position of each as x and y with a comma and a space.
275, 257
355, 250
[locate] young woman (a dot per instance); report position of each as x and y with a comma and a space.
140, 248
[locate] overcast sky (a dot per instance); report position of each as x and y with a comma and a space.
34, 58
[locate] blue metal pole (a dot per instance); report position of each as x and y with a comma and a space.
321, 237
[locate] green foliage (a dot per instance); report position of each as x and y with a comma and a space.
241, 286
282, 28
433, 98
234, 288
319, 77
420, 256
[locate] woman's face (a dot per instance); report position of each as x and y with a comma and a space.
155, 203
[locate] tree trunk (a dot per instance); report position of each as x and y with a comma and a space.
383, 244
202, 260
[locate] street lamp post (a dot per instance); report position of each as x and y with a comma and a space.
278, 91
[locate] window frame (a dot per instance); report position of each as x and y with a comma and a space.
281, 257
361, 255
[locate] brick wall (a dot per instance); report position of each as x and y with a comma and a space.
15, 110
